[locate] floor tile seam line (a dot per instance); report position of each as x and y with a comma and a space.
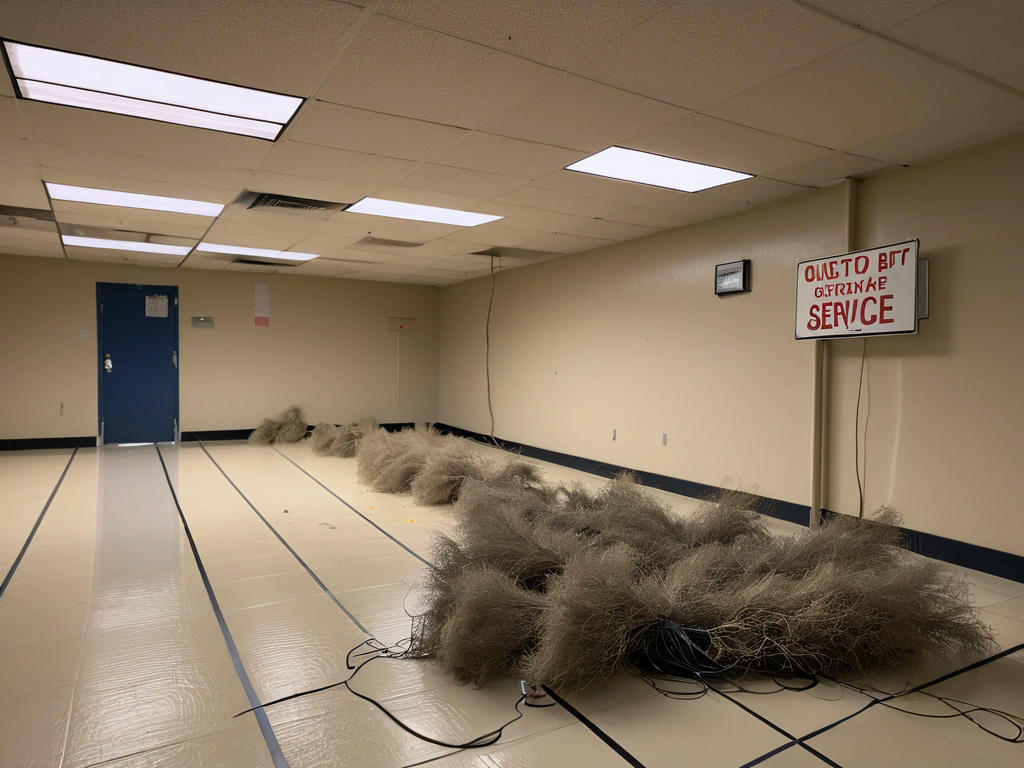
593, 727
769, 755
39, 521
312, 574
316, 480
269, 737
941, 679
778, 728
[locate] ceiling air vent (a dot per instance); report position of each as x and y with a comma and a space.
287, 204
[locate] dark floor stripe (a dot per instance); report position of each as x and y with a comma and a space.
593, 727
339, 498
777, 728
261, 717
39, 520
941, 679
280, 538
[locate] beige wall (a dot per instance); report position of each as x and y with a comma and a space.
327, 350
943, 410
632, 338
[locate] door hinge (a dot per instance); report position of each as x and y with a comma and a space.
174, 358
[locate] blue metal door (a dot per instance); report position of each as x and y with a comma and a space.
138, 362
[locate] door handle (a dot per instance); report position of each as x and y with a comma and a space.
108, 364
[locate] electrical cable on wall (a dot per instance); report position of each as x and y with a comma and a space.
487, 338
856, 432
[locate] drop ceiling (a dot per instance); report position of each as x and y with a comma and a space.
480, 106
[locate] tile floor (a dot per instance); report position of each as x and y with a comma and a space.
117, 650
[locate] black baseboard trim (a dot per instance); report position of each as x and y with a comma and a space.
398, 426
42, 443
984, 559
215, 434
783, 510
243, 434
975, 556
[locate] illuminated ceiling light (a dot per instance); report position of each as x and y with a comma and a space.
73, 79
265, 253
126, 245
396, 210
656, 170
132, 200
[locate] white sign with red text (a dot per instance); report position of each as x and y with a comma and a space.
864, 293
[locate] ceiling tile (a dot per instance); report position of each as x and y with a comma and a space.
514, 157
572, 112
131, 219
144, 167
16, 152
589, 185
21, 187
406, 70
278, 46
982, 35
556, 32
828, 168
612, 230
704, 139
697, 53
407, 279
529, 217
27, 242
372, 133
281, 233
494, 233
199, 260
873, 14
296, 159
560, 202
323, 268
11, 126
428, 197
561, 243
98, 130
754, 191
837, 101
78, 253
696, 208
459, 181
388, 228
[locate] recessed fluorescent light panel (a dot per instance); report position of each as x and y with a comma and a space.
265, 253
397, 210
656, 170
72, 79
126, 245
132, 200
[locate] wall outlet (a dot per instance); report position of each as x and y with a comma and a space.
664, 438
